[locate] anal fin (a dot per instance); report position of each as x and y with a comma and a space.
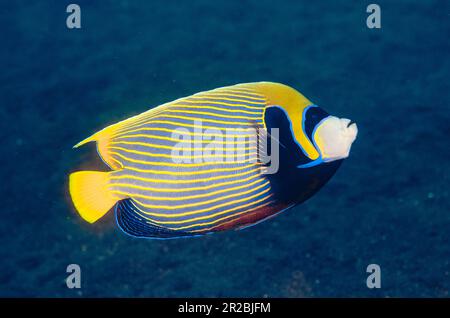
133, 224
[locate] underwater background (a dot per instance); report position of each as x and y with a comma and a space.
388, 204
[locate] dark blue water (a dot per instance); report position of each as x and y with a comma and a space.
388, 204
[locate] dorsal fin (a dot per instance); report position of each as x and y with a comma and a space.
104, 136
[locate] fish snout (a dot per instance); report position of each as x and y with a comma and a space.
349, 129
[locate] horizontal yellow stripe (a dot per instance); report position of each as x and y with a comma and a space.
213, 102
177, 124
137, 143
209, 171
161, 113
192, 165
256, 170
240, 87
239, 90
132, 121
223, 109
210, 114
176, 215
206, 187
204, 141
142, 118
206, 120
197, 180
201, 134
227, 98
233, 95
146, 144
202, 156
128, 194
223, 101
220, 219
172, 207
202, 217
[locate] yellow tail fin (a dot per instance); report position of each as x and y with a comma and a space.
90, 195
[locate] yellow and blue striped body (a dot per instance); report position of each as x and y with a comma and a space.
161, 195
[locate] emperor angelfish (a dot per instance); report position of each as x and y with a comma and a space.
161, 192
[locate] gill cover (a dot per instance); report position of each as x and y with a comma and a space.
287, 105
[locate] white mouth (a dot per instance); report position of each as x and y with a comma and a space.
334, 138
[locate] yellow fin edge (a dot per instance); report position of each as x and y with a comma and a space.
102, 138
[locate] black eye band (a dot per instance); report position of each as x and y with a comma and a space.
312, 117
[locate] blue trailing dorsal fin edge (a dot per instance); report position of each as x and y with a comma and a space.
131, 223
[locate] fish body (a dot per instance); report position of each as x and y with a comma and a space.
192, 166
